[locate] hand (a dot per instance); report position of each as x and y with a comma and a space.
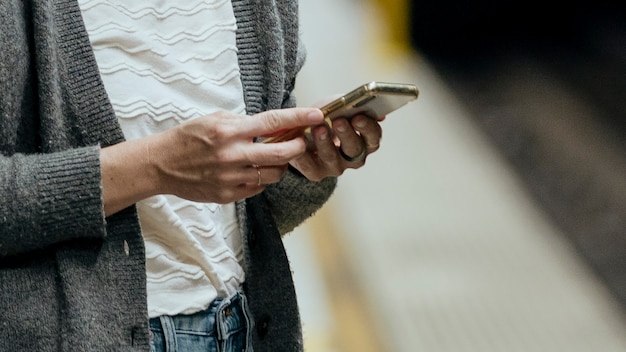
345, 147
208, 159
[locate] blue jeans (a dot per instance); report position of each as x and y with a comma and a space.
226, 326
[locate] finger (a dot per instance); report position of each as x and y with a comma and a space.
246, 190
266, 175
247, 174
272, 121
275, 154
251, 178
307, 165
370, 130
329, 162
255, 175
325, 146
351, 143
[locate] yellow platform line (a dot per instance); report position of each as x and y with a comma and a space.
354, 322
355, 328
396, 21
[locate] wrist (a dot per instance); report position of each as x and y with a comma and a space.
128, 174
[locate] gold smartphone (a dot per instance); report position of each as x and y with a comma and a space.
374, 99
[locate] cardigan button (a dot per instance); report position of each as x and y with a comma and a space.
263, 326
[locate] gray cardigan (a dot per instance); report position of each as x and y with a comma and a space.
73, 280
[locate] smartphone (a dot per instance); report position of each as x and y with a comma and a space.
374, 99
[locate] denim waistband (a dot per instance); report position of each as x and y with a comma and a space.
224, 318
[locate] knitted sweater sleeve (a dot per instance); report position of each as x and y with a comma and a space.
295, 198
50, 120
49, 198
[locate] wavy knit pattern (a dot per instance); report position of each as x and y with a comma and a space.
164, 63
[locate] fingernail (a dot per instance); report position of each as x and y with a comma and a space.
341, 127
360, 123
322, 136
315, 115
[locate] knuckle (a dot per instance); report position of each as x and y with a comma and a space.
223, 131
280, 155
272, 120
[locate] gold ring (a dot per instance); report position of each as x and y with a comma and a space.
258, 172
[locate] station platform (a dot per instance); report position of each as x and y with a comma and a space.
435, 245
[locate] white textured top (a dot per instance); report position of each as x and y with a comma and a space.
164, 63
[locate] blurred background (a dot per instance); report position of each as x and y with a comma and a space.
493, 218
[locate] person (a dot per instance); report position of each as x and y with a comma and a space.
138, 210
